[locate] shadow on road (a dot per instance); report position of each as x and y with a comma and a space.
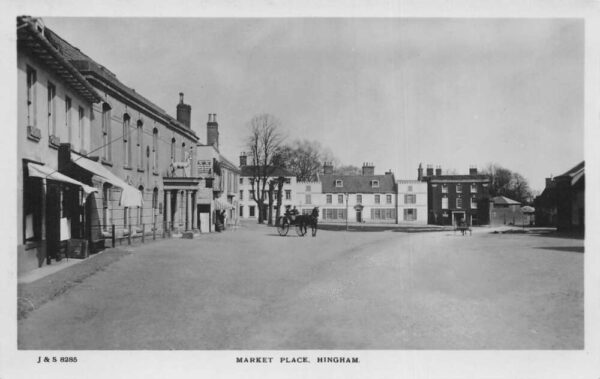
571, 249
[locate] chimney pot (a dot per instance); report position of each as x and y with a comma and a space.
180, 97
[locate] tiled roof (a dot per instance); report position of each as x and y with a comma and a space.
37, 42
358, 183
249, 171
457, 178
93, 70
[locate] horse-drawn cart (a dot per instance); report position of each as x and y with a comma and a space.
300, 222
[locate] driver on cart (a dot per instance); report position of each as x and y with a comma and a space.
294, 213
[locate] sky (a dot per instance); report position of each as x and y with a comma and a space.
392, 91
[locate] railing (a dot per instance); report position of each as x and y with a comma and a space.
103, 236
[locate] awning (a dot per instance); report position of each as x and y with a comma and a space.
221, 205
46, 172
130, 196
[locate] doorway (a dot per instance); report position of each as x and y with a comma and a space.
359, 215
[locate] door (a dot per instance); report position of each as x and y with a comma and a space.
52, 221
458, 218
359, 216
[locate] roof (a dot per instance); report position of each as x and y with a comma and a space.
35, 39
408, 181
575, 170
93, 71
358, 183
502, 200
228, 165
574, 174
249, 171
456, 178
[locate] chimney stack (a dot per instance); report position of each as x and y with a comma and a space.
368, 169
420, 172
184, 112
327, 168
429, 170
212, 131
473, 170
438, 171
243, 160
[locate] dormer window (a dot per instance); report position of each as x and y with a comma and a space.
374, 183
339, 183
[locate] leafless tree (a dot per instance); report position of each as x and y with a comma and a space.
263, 144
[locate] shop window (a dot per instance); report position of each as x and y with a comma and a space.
32, 209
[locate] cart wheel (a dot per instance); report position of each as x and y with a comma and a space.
283, 228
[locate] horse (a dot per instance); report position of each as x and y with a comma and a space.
309, 220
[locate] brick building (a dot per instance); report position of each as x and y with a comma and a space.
456, 198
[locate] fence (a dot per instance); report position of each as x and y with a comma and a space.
103, 236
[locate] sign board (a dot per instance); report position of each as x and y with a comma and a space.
204, 167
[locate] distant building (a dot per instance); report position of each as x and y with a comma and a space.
505, 211
412, 202
308, 196
249, 173
545, 205
365, 198
218, 194
570, 200
456, 198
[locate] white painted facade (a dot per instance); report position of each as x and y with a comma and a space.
412, 202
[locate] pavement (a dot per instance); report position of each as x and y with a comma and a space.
252, 289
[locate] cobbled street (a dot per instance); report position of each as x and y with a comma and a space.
252, 289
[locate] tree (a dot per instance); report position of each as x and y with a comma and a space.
263, 143
505, 182
304, 159
347, 170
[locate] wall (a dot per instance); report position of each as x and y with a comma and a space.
136, 174
419, 189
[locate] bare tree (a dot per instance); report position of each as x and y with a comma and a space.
263, 144
505, 182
